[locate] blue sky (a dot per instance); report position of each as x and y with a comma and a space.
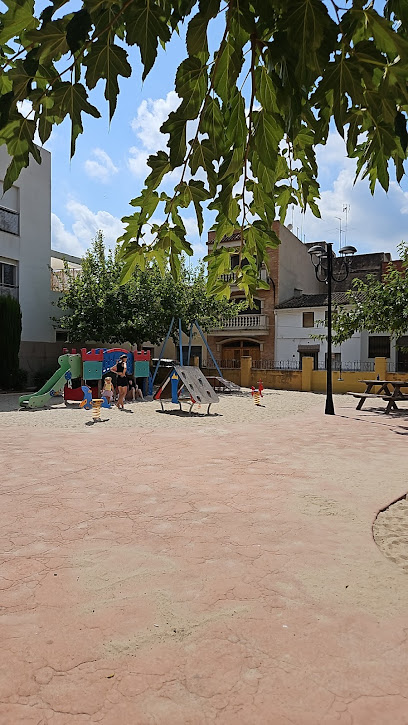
92, 190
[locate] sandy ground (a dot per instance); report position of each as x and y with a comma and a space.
201, 571
232, 409
390, 531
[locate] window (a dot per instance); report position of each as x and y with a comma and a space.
308, 319
8, 274
379, 346
9, 221
61, 336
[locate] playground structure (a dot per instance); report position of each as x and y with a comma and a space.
87, 369
188, 384
257, 393
222, 383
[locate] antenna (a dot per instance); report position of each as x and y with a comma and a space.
340, 230
346, 210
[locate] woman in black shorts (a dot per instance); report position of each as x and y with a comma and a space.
122, 383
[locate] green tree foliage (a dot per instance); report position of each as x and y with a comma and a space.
377, 306
10, 337
251, 112
97, 307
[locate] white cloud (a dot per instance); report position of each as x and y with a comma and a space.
102, 169
84, 226
137, 162
374, 224
63, 240
146, 124
26, 109
149, 117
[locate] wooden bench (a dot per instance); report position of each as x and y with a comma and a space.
390, 399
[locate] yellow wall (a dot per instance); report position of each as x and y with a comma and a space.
349, 384
305, 379
278, 379
233, 375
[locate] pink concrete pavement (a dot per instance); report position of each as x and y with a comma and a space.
225, 577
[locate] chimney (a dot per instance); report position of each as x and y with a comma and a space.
297, 292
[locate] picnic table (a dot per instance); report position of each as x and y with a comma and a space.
388, 390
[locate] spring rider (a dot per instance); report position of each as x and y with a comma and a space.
95, 403
257, 393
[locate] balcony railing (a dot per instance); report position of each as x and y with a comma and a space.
12, 290
230, 277
61, 278
245, 322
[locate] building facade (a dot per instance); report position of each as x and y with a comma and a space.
302, 317
253, 332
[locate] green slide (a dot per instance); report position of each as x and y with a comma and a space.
55, 383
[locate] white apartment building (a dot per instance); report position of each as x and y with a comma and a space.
26, 262
303, 317
25, 244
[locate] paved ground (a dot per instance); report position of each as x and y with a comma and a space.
209, 575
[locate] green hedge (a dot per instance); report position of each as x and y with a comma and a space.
10, 337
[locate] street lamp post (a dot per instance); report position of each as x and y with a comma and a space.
322, 259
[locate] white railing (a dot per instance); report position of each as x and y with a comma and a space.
229, 277
245, 322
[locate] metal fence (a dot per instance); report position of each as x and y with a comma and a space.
275, 364
226, 364
349, 366
355, 366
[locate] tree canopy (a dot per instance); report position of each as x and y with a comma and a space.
252, 109
376, 305
96, 307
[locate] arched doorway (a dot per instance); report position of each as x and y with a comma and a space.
235, 349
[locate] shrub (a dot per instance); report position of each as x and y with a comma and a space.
10, 337
20, 379
42, 375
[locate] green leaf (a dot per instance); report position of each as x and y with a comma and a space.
160, 166
18, 18
145, 25
202, 156
51, 39
78, 29
267, 137
266, 90
191, 86
176, 127
196, 38
106, 60
71, 99
227, 68
237, 129
199, 194
18, 135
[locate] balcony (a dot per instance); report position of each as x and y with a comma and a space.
244, 323
231, 277
61, 278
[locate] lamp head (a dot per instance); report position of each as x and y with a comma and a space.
317, 253
317, 249
347, 251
